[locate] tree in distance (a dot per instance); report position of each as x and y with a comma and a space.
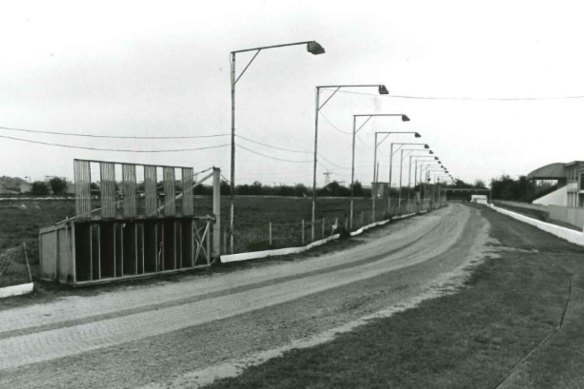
58, 186
39, 188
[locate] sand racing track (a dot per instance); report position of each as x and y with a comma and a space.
176, 333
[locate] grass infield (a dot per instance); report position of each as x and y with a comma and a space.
471, 339
22, 219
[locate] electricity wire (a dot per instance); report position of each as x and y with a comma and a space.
469, 98
334, 126
110, 136
332, 163
110, 149
271, 157
272, 146
145, 137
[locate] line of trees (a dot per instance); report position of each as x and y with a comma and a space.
507, 188
56, 186
333, 189
503, 187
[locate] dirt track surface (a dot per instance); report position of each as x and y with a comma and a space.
158, 335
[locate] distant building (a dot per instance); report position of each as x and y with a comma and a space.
575, 184
25, 187
567, 189
480, 199
13, 185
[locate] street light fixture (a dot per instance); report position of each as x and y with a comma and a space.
375, 172
402, 156
391, 152
418, 157
312, 47
318, 106
403, 117
424, 175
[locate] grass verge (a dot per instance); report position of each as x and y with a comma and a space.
470, 339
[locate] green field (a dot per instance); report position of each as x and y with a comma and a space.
517, 321
22, 219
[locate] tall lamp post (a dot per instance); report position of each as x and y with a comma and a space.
434, 191
391, 152
401, 164
403, 117
312, 47
418, 157
424, 168
318, 106
375, 171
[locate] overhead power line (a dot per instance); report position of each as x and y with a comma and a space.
272, 146
148, 137
110, 136
271, 157
332, 163
110, 149
333, 125
537, 98
469, 98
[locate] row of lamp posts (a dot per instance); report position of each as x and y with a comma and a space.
315, 48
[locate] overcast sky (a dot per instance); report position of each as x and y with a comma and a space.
162, 69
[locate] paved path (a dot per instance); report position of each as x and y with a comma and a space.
74, 326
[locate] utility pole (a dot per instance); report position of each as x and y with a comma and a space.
327, 178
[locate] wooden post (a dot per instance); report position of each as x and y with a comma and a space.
216, 247
225, 241
26, 260
270, 233
303, 231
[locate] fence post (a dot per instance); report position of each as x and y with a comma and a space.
323, 227
26, 260
225, 241
302, 231
270, 233
216, 251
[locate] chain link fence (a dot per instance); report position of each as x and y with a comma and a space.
14, 266
274, 233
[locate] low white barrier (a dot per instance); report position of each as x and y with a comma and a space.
295, 250
568, 234
16, 290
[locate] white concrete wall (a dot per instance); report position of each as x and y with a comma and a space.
16, 290
568, 234
557, 197
569, 215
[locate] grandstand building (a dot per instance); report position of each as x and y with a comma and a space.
562, 183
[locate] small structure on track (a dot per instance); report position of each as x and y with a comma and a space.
139, 228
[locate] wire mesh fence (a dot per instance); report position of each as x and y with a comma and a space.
14, 266
274, 233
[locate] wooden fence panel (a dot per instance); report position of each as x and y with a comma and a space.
169, 191
187, 187
82, 173
150, 190
107, 174
129, 187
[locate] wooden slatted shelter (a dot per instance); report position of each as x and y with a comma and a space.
132, 232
